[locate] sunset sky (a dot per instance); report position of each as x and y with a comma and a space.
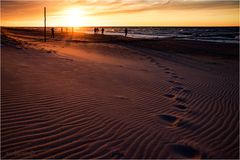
121, 13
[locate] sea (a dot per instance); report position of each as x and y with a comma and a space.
211, 34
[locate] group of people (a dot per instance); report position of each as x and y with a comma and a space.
96, 30
53, 31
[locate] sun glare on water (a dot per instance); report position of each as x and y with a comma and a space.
74, 17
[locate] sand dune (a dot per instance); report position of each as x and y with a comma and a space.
98, 100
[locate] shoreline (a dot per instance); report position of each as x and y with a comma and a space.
169, 45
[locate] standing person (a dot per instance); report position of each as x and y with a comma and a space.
102, 30
52, 32
95, 30
126, 32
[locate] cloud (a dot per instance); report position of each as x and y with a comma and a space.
134, 6
109, 7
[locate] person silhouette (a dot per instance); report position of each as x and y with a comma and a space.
52, 32
102, 30
95, 30
126, 32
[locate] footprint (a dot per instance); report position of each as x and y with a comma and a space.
171, 120
170, 81
177, 83
185, 151
174, 121
169, 95
117, 154
180, 106
167, 72
168, 118
175, 76
177, 88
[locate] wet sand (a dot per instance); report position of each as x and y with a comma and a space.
86, 96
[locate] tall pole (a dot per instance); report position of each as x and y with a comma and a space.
45, 25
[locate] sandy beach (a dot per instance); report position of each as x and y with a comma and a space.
96, 96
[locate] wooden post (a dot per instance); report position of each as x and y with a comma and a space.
45, 34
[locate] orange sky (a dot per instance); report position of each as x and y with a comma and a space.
121, 13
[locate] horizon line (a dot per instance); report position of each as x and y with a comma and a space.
118, 26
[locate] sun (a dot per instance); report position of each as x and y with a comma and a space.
74, 17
